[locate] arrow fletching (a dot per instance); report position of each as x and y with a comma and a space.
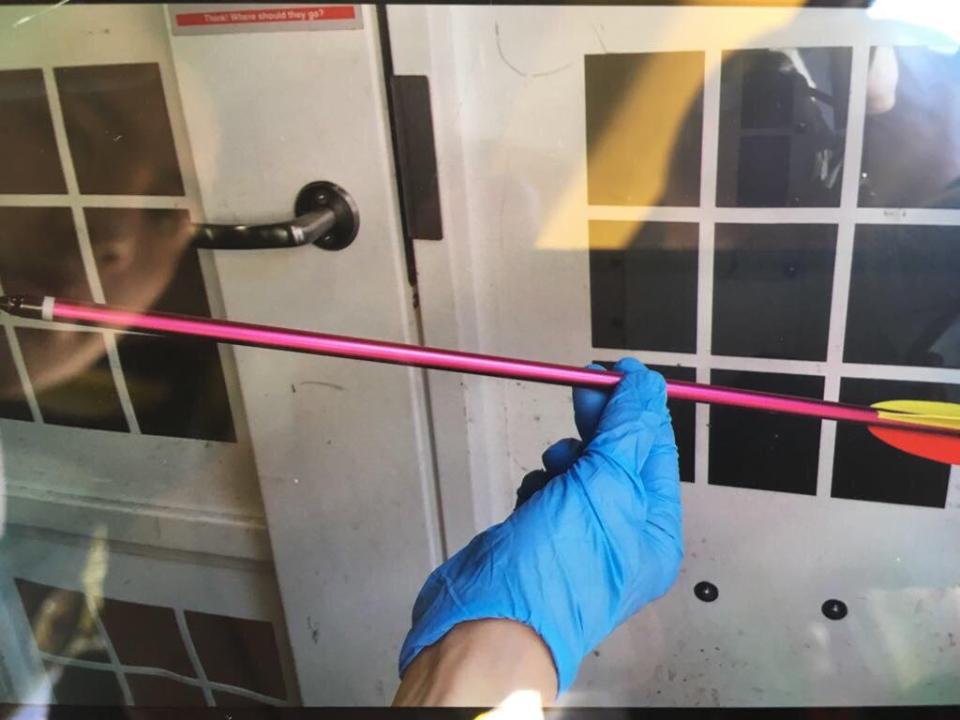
940, 448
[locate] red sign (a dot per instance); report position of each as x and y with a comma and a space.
308, 13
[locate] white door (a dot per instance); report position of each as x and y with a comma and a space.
260, 522
658, 182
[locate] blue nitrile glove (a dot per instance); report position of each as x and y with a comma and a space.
595, 536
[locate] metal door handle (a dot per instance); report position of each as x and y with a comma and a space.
325, 216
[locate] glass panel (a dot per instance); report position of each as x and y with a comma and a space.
626, 135
83, 396
783, 122
242, 653
83, 686
27, 144
780, 277
40, 252
904, 296
765, 451
13, 403
911, 156
644, 285
761, 205
117, 124
151, 691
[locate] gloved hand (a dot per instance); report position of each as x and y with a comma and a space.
595, 536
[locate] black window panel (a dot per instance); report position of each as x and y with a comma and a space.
83, 686
643, 285
763, 171
119, 130
152, 691
767, 98
13, 403
783, 117
28, 147
177, 387
772, 287
40, 253
238, 652
762, 450
904, 304
911, 141
87, 397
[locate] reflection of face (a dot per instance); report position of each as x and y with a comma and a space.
136, 252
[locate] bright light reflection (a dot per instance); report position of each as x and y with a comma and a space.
940, 16
518, 705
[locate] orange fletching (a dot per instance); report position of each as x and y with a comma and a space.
940, 448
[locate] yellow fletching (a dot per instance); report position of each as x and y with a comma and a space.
920, 412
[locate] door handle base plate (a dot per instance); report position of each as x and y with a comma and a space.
325, 195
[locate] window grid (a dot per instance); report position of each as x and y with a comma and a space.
709, 149
207, 686
77, 202
843, 259
114, 660
121, 669
846, 217
193, 655
83, 240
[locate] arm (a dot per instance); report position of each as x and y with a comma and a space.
479, 664
595, 536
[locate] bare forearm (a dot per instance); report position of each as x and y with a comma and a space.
479, 664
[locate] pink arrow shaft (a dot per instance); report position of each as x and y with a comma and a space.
438, 359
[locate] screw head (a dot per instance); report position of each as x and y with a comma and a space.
706, 591
834, 609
